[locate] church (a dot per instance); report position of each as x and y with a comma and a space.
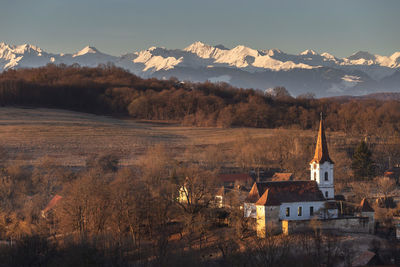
270, 203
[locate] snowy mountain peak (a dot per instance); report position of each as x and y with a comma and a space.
328, 56
86, 50
197, 46
201, 49
21, 49
242, 50
308, 52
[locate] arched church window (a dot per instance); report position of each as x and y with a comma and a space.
326, 194
326, 176
315, 175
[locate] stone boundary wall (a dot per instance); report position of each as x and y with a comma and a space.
347, 225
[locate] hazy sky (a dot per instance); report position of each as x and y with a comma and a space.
340, 27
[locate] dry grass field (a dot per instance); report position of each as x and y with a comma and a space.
31, 134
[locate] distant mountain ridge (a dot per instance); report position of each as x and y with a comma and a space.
322, 74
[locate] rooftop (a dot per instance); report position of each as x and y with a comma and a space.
275, 193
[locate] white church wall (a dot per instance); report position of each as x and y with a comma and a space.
294, 209
325, 167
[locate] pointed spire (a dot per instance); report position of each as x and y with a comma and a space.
321, 150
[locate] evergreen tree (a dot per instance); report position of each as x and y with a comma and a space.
362, 164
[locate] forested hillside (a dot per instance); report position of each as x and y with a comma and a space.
111, 90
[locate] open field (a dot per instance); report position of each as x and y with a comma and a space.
70, 137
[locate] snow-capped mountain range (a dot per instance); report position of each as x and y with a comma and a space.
309, 71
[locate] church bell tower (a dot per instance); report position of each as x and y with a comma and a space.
321, 166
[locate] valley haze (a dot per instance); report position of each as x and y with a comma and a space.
322, 74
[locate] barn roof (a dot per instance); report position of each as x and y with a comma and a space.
275, 193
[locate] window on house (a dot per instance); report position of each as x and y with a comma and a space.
287, 212
326, 194
299, 211
311, 211
326, 176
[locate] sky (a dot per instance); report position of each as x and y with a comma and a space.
340, 27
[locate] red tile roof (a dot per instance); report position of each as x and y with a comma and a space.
275, 193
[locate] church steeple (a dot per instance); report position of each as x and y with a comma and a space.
321, 166
321, 150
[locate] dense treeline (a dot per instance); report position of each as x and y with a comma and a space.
111, 90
